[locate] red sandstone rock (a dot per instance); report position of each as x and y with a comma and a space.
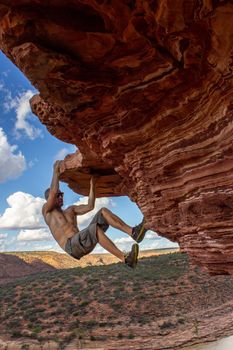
144, 89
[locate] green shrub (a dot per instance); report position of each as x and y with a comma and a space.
130, 335
15, 333
166, 324
37, 329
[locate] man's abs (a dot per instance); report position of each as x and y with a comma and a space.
61, 234
61, 229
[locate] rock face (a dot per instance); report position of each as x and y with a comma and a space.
144, 89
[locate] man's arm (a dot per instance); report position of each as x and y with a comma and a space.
83, 209
54, 187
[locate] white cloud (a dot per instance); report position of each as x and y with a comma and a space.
33, 245
23, 112
46, 247
31, 163
3, 237
34, 235
63, 152
124, 240
24, 212
83, 220
12, 164
158, 243
5, 74
7, 95
152, 235
2, 246
151, 241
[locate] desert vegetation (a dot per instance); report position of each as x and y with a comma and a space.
107, 302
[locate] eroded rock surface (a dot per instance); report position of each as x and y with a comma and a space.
144, 89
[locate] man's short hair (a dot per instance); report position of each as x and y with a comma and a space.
46, 194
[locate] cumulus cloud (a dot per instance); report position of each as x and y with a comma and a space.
23, 112
84, 220
24, 212
152, 235
123, 240
151, 241
7, 95
2, 246
12, 163
32, 246
3, 237
63, 152
47, 247
157, 242
34, 235
31, 163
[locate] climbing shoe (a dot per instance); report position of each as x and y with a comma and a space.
131, 258
139, 232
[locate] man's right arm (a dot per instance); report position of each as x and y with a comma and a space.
54, 187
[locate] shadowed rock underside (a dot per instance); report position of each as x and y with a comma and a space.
144, 90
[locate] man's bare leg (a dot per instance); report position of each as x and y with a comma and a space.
116, 222
107, 244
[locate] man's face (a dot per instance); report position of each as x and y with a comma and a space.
60, 198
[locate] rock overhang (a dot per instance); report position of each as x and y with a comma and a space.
144, 90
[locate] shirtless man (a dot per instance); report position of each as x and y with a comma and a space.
63, 225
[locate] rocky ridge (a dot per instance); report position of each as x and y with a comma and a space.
13, 267
20, 264
144, 90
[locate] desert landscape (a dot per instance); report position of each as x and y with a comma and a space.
143, 91
163, 304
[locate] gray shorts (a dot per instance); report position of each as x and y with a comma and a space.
83, 242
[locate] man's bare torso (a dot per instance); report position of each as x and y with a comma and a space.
62, 224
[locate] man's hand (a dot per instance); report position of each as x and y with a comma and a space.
54, 188
56, 167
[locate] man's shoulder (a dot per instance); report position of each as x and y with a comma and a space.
45, 210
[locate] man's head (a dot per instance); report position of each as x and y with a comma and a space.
59, 197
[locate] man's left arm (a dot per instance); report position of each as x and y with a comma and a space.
85, 208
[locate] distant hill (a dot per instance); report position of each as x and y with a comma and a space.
19, 264
64, 261
13, 267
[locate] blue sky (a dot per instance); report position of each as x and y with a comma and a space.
27, 154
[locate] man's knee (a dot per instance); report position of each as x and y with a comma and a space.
104, 210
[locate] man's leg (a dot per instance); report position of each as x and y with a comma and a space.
116, 222
129, 259
107, 244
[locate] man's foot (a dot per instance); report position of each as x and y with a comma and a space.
131, 258
139, 232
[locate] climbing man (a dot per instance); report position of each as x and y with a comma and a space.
63, 224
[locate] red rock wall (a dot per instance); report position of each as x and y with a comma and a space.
144, 89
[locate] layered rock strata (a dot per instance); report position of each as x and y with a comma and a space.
144, 90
